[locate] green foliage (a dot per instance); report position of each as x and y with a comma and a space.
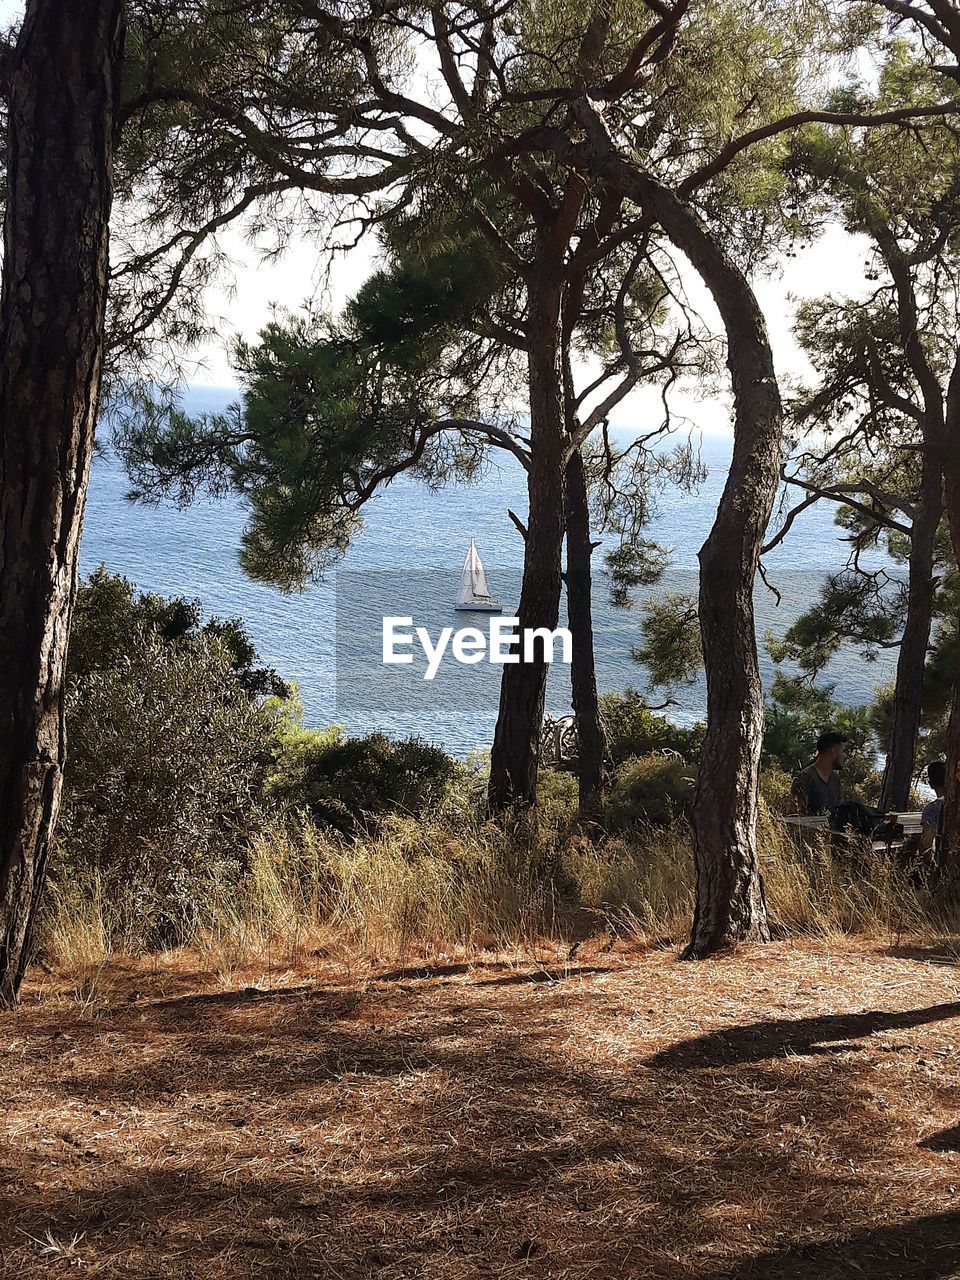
939, 674
867, 401
170, 742
632, 729
856, 348
652, 789
110, 617
414, 308
852, 607
557, 798
671, 646
332, 412
943, 662
633, 564
318, 423
168, 755
349, 784
176, 756
818, 634
882, 361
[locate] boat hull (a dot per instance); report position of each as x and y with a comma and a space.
492, 607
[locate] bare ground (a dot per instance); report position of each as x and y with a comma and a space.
791, 1111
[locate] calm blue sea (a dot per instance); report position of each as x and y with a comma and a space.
406, 561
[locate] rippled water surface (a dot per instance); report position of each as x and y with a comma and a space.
406, 561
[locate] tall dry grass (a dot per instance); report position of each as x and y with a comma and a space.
461, 881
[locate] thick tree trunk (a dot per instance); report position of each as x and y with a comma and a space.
514, 758
730, 904
950, 830
583, 672
51, 314
911, 661
950, 457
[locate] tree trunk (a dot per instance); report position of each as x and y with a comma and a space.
950, 458
583, 672
514, 758
911, 661
902, 744
730, 905
949, 853
55, 271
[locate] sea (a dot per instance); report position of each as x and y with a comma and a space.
405, 563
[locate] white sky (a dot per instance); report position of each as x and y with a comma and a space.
834, 263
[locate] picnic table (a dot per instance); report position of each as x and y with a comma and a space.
903, 827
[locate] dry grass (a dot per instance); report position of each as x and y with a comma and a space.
786, 1112
461, 882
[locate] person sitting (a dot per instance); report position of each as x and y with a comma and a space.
933, 812
816, 789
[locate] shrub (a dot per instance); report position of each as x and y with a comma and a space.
633, 730
169, 749
654, 789
348, 783
111, 616
557, 796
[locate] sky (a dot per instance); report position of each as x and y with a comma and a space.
834, 263
242, 304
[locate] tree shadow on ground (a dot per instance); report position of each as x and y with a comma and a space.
945, 1140
422, 971
449, 1133
203, 1001
785, 1037
544, 975
924, 1249
935, 953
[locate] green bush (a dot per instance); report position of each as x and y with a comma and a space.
557, 794
653, 789
168, 754
633, 730
180, 743
111, 616
349, 783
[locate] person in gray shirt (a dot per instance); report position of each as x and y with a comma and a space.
932, 812
816, 789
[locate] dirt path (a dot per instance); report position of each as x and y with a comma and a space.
790, 1112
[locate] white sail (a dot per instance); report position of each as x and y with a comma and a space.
472, 571
474, 592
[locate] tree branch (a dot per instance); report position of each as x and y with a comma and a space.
787, 123
840, 493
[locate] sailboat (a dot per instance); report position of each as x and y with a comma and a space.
474, 594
